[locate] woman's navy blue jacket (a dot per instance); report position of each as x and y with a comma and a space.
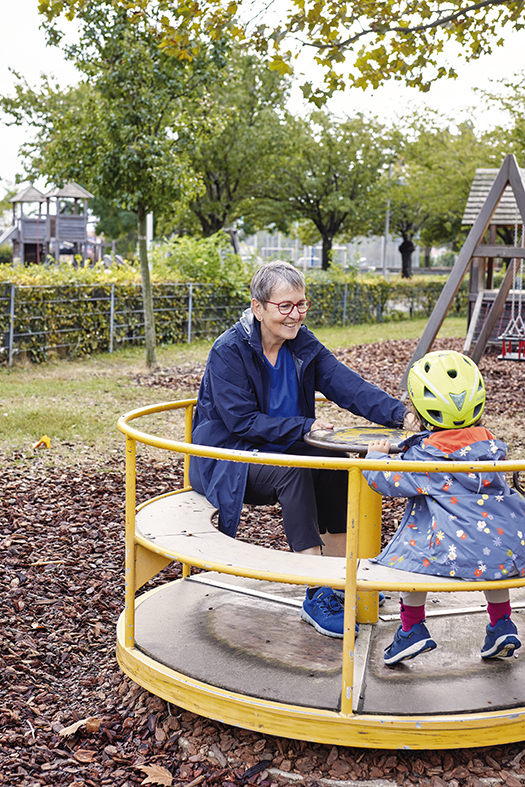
233, 403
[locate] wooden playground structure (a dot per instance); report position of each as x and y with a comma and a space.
486, 305
58, 229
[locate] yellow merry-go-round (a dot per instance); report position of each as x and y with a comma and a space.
228, 643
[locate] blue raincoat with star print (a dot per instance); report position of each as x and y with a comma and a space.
464, 525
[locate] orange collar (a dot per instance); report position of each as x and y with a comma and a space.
450, 440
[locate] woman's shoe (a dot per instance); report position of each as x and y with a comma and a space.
323, 609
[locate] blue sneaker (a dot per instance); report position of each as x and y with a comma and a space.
501, 639
324, 611
408, 644
341, 595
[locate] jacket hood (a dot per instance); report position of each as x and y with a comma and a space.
247, 320
473, 444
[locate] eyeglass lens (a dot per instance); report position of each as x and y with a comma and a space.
287, 306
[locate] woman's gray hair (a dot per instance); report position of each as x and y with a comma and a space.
271, 275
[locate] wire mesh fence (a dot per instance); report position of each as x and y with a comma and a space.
83, 319
71, 320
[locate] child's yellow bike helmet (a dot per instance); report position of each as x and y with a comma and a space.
447, 389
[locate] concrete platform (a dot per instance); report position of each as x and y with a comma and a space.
247, 636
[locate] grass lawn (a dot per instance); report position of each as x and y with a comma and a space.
77, 402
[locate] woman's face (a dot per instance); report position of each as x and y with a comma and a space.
276, 328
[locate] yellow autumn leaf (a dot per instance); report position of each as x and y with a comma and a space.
156, 774
44, 442
278, 64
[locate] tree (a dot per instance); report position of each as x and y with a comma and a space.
236, 154
116, 225
330, 175
431, 179
377, 41
114, 132
511, 97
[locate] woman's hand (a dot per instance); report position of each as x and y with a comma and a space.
320, 424
383, 446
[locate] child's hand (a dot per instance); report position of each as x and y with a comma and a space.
383, 446
411, 423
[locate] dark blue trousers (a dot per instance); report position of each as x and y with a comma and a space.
313, 500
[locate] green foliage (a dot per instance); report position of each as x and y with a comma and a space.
382, 40
238, 149
510, 95
67, 311
116, 132
362, 299
116, 225
429, 179
6, 254
207, 260
329, 178
66, 273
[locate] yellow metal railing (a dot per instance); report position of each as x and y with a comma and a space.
355, 520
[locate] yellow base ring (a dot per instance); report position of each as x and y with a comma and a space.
312, 724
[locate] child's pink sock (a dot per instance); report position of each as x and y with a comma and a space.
411, 615
498, 611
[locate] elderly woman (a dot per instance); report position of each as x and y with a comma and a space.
258, 393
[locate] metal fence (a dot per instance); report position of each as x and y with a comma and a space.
77, 319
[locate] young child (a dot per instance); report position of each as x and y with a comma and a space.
464, 525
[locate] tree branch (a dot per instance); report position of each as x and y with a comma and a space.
439, 22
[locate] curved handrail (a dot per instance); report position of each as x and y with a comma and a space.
294, 460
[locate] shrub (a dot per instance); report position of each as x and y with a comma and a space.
206, 260
6, 254
79, 311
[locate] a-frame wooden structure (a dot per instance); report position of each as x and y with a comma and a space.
508, 175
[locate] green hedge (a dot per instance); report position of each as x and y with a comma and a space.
73, 318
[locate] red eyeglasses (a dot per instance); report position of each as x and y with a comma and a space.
287, 307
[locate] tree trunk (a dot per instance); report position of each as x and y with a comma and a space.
426, 263
326, 260
147, 294
234, 239
406, 248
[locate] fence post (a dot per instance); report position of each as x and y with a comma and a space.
11, 324
345, 299
190, 312
111, 317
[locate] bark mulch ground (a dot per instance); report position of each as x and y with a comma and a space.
68, 716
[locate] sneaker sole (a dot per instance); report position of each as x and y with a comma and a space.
502, 648
411, 652
309, 619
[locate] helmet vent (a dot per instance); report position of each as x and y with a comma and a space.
436, 415
427, 367
458, 399
452, 373
427, 393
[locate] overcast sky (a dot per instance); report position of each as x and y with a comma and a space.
23, 49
